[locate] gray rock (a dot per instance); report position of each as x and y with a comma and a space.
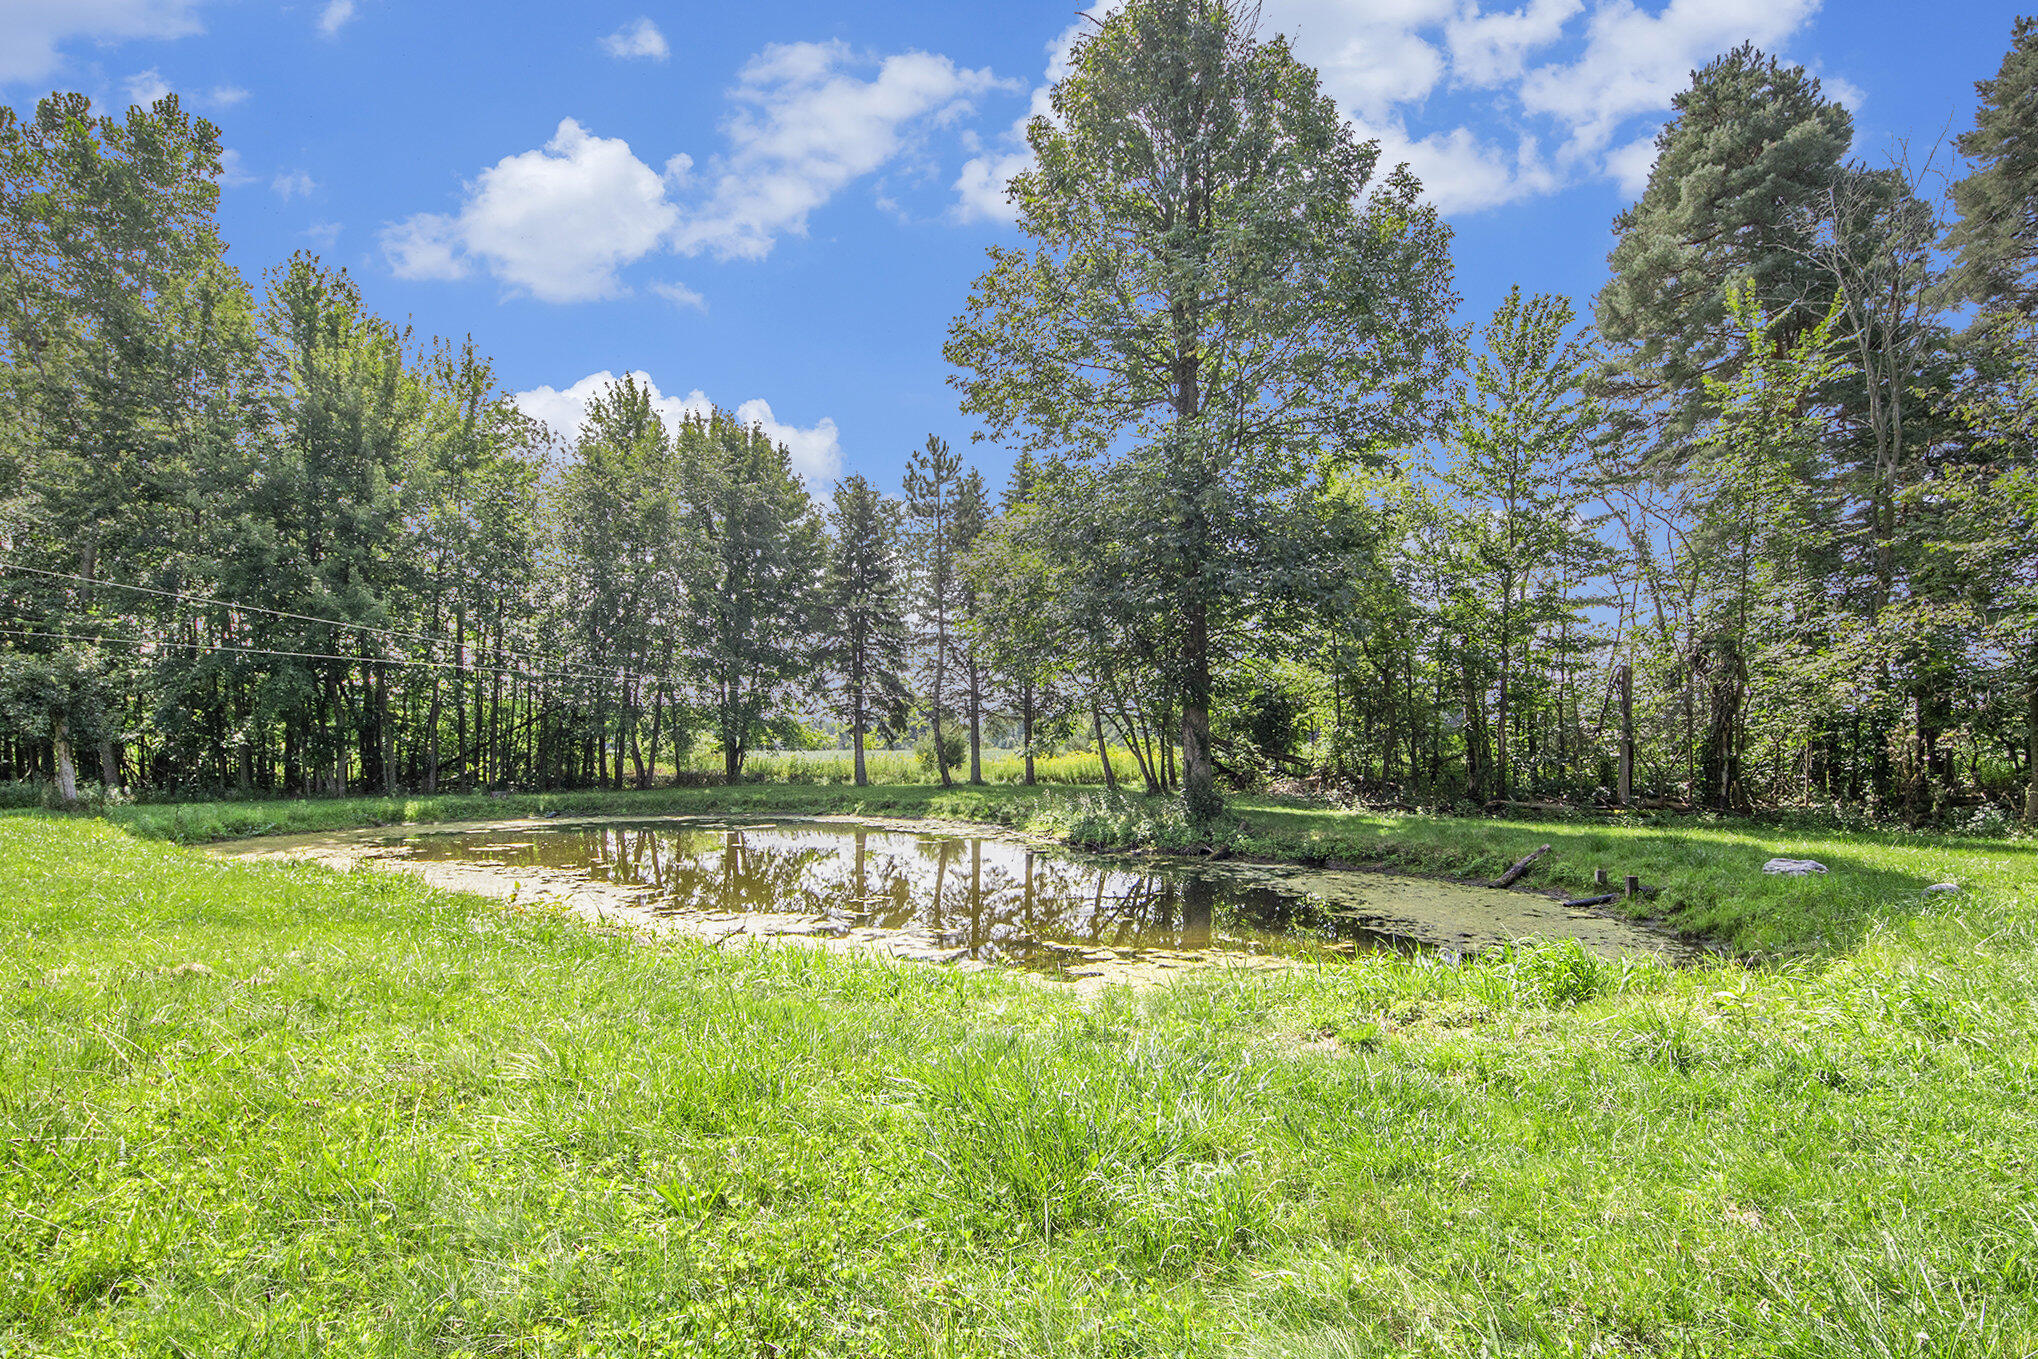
1796, 868
1943, 889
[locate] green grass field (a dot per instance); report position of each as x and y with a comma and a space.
273, 1109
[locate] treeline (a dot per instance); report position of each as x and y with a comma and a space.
1764, 532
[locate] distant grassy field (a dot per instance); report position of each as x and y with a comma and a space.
276, 1110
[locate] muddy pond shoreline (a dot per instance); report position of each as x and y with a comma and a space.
1350, 908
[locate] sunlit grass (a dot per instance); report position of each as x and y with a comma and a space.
280, 1110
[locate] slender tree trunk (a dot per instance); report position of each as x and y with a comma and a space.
1103, 750
1026, 729
2031, 757
1199, 791
66, 768
976, 708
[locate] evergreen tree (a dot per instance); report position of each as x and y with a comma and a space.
1995, 239
1743, 172
933, 475
866, 615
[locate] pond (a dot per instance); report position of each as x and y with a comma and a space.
973, 899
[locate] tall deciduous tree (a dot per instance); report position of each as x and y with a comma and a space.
1216, 289
750, 620
865, 624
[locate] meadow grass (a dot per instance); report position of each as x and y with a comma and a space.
272, 1109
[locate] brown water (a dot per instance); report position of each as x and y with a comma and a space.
969, 898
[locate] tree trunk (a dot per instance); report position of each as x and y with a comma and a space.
1103, 751
1625, 677
976, 708
1199, 782
66, 768
2031, 759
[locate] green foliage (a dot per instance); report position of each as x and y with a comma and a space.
1995, 239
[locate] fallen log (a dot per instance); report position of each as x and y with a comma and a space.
1521, 866
1594, 901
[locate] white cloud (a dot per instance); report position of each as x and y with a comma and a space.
426, 246
1383, 61
555, 223
225, 96
1490, 49
1630, 165
679, 295
336, 16
145, 87
641, 39
560, 222
805, 126
32, 32
293, 184
1634, 60
232, 174
815, 451
324, 235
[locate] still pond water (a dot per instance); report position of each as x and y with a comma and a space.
968, 898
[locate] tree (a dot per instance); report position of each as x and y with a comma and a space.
972, 516
749, 624
1215, 292
866, 614
1995, 239
1749, 156
933, 475
106, 228
1518, 434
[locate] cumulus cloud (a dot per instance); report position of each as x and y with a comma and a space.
1634, 60
225, 96
807, 123
640, 39
35, 31
232, 173
679, 295
814, 451
1554, 81
335, 16
293, 184
559, 223
145, 87
556, 223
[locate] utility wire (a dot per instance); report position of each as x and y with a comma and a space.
591, 669
209, 648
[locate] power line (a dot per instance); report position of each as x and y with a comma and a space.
589, 669
211, 648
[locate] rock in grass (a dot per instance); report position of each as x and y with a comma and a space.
1796, 868
1943, 889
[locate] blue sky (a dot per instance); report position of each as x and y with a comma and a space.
777, 206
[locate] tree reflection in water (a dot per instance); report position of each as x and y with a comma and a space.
971, 896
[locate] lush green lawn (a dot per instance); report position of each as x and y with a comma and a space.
263, 1109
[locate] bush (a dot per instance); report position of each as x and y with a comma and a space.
953, 748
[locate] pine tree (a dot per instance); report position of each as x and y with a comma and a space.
1744, 169
1995, 240
932, 475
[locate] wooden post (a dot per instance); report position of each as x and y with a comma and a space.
1599, 877
1634, 885
1625, 678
